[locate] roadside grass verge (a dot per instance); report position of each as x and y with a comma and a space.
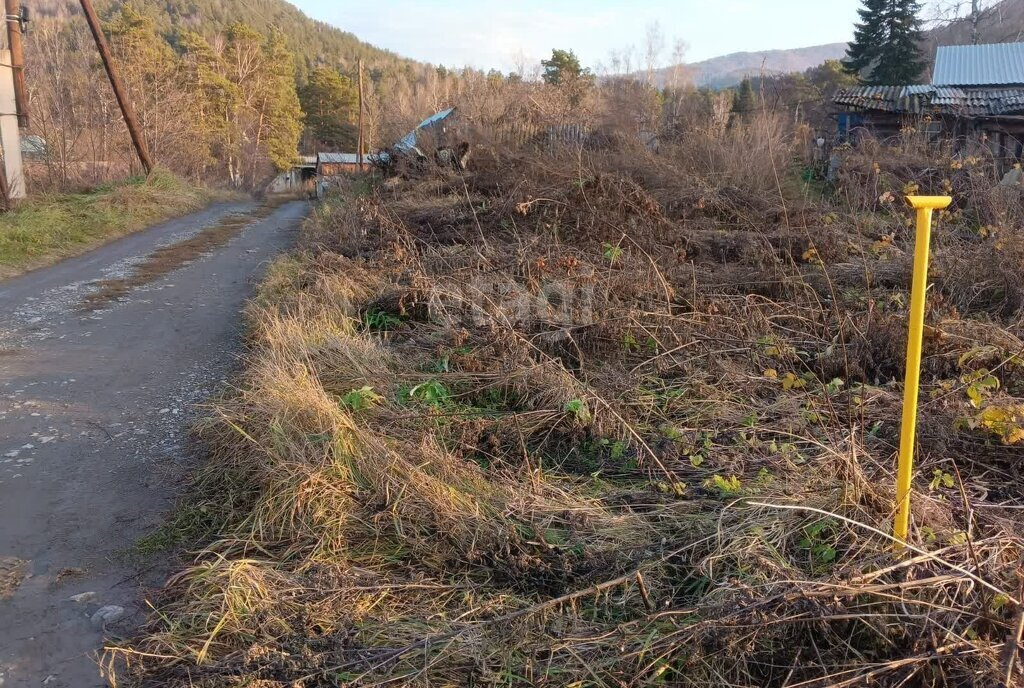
610, 419
48, 228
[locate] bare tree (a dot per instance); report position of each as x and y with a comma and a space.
678, 75
654, 44
982, 20
627, 59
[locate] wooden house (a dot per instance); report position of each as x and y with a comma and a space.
976, 95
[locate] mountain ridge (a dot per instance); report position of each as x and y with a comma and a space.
1000, 23
729, 70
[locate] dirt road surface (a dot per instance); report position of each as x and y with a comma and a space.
96, 396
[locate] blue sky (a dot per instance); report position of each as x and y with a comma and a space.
491, 33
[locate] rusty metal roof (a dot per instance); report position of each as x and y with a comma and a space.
942, 100
995, 64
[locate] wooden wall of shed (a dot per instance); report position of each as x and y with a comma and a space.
1002, 138
335, 169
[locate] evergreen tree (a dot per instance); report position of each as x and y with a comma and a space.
215, 97
266, 119
886, 43
563, 67
565, 71
745, 100
283, 112
331, 104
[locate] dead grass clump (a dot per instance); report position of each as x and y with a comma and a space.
535, 425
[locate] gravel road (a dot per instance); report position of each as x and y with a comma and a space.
94, 410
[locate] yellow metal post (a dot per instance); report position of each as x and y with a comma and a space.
924, 205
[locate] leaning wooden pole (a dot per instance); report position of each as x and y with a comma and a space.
13, 11
5, 189
119, 91
362, 140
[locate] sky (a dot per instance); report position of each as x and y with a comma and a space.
498, 33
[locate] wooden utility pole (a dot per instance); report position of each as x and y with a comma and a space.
359, 153
13, 11
115, 81
5, 191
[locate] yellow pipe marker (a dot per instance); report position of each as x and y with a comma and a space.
924, 206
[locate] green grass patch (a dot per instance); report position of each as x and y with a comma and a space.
189, 524
48, 228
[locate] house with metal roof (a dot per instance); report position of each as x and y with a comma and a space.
976, 93
332, 167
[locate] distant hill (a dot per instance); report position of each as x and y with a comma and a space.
729, 70
314, 42
1001, 23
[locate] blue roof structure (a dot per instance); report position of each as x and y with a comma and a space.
995, 64
408, 142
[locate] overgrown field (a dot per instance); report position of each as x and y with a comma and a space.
49, 228
610, 418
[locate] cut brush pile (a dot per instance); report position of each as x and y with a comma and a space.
607, 419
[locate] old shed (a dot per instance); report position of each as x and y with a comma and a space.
976, 95
331, 167
335, 164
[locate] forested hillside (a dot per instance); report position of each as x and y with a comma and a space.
313, 42
225, 90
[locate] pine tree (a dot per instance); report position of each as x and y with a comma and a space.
886, 43
565, 71
563, 67
745, 101
216, 98
331, 104
283, 112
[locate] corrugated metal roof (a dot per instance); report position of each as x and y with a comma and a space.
338, 158
904, 99
944, 100
995, 64
408, 142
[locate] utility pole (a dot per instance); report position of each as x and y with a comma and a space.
10, 133
5, 191
127, 111
14, 18
359, 153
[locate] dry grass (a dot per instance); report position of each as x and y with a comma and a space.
46, 229
603, 418
12, 573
